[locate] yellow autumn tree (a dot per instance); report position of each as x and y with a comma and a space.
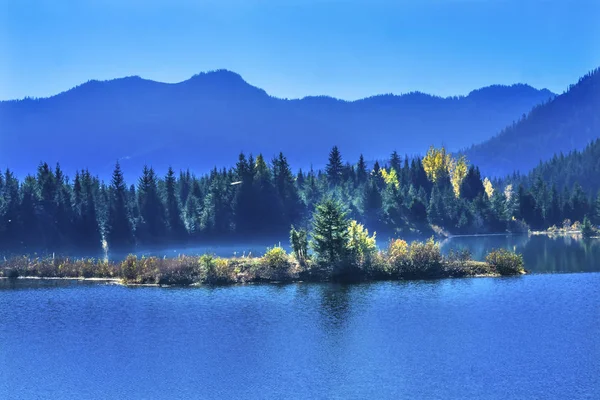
458, 172
390, 178
489, 188
360, 245
437, 162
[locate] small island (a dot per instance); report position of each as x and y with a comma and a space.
342, 251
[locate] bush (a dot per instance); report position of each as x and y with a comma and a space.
182, 270
276, 258
459, 256
143, 270
425, 255
216, 270
398, 256
506, 262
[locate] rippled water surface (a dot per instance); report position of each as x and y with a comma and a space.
536, 336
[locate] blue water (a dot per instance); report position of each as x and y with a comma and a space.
530, 337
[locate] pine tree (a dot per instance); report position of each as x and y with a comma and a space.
393, 206
396, 162
185, 185
472, 185
596, 215
192, 215
90, 228
361, 170
334, 167
287, 191
3, 238
11, 211
580, 203
119, 231
47, 192
244, 206
554, 214
86, 229
63, 211
330, 233
216, 217
372, 205
175, 222
152, 227
30, 226
435, 210
377, 177
268, 208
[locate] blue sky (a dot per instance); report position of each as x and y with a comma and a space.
291, 48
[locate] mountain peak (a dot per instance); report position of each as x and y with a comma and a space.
221, 80
223, 75
514, 90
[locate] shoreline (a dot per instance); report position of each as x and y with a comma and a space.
120, 282
417, 261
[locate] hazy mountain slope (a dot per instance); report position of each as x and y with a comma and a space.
208, 119
569, 121
581, 167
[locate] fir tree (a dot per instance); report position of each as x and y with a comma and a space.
579, 203
175, 222
472, 185
596, 216
119, 232
152, 227
334, 167
396, 162
330, 233
287, 191
361, 170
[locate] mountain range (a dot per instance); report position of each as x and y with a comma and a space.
567, 122
208, 120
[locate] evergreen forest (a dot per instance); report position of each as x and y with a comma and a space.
433, 194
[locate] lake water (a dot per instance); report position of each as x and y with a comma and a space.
529, 337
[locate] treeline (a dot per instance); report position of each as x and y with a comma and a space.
50, 212
565, 170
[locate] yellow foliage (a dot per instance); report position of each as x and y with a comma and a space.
489, 189
437, 161
276, 257
458, 172
398, 251
359, 242
390, 178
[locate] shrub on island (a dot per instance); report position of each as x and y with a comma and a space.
506, 262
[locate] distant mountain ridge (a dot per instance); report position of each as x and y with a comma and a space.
208, 119
567, 122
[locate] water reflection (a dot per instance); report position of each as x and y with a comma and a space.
542, 254
334, 305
